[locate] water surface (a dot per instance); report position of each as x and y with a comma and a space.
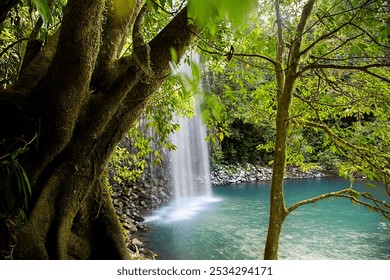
233, 225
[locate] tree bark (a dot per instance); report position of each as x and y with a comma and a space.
285, 79
81, 98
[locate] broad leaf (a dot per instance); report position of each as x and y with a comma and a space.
44, 10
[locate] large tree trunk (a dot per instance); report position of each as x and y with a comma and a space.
79, 98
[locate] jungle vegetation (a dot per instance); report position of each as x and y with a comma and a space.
76, 76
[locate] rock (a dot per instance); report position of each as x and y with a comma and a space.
136, 242
129, 226
128, 192
144, 195
138, 218
233, 174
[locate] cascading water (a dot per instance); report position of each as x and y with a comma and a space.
189, 167
190, 161
190, 173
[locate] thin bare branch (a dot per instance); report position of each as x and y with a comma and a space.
256, 56
364, 58
7, 48
239, 55
172, 13
320, 18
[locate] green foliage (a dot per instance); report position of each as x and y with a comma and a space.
16, 188
17, 29
208, 13
44, 10
148, 142
187, 74
339, 113
129, 166
241, 146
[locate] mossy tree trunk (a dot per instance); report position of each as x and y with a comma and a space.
79, 97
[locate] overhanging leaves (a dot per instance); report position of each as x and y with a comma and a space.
208, 13
44, 10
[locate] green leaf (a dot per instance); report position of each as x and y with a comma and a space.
44, 10
174, 55
152, 5
10, 196
208, 13
26, 180
162, 3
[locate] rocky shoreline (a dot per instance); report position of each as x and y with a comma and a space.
133, 200
236, 174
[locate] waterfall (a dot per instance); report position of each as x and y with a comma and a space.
190, 173
189, 168
189, 163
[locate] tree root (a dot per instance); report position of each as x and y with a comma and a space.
73, 218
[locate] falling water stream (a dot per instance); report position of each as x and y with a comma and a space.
190, 172
190, 161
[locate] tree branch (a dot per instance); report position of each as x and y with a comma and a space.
239, 55
141, 51
37, 68
338, 139
365, 154
364, 68
369, 35
351, 194
323, 37
294, 55
256, 56
177, 35
279, 74
120, 18
336, 48
64, 90
334, 31
11, 45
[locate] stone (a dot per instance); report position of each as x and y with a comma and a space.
138, 218
136, 242
129, 226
